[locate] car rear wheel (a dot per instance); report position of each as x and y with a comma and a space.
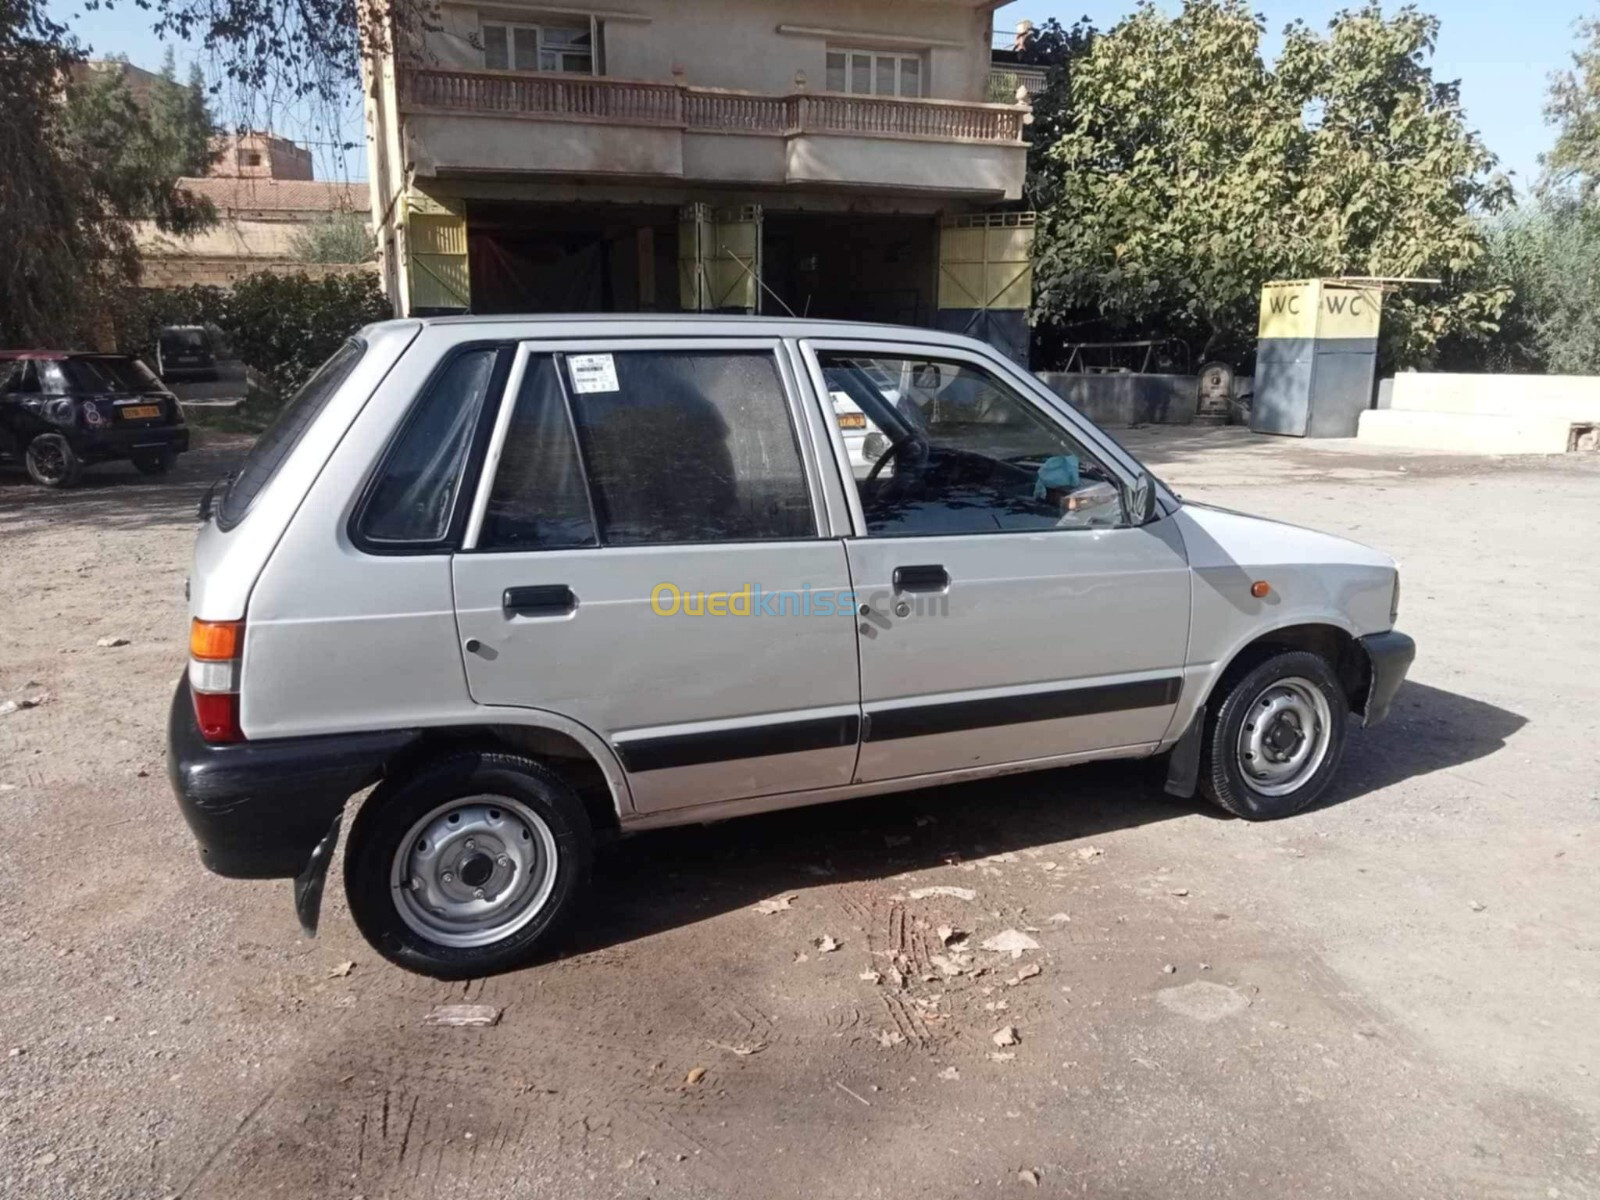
1274, 737
468, 867
158, 463
52, 462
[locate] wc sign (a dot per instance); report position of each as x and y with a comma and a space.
1320, 309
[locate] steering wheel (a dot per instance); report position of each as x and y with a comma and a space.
895, 451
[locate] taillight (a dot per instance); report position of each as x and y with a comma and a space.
215, 649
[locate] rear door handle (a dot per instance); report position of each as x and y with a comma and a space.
927, 578
544, 600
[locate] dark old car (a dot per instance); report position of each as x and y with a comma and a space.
186, 352
63, 410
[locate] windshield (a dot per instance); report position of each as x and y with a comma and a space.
283, 435
183, 339
108, 374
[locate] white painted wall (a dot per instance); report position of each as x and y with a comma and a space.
1574, 397
1484, 414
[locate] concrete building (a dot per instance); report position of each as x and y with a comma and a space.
256, 155
838, 158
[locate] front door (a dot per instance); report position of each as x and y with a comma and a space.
645, 558
1010, 611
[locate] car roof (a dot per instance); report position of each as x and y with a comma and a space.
619, 324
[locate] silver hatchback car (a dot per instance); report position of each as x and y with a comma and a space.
544, 579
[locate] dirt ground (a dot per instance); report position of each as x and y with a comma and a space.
1397, 994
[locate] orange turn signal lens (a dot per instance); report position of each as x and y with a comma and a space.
215, 641
1261, 589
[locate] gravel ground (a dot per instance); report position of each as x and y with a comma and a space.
1397, 994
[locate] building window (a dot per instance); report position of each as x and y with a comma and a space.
873, 73
564, 47
249, 158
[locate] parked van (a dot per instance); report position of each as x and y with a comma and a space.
541, 580
186, 352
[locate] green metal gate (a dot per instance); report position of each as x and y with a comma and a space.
986, 278
719, 258
436, 258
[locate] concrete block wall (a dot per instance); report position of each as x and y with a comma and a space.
1128, 399
1485, 414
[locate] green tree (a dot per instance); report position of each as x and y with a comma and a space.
1574, 109
338, 238
67, 251
1057, 47
287, 325
1190, 172
284, 326
133, 155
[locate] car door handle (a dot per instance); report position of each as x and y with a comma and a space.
543, 600
927, 578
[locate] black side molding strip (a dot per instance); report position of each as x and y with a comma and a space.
920, 720
911, 720
722, 745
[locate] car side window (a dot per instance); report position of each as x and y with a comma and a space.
539, 500
672, 447
941, 447
414, 498
689, 446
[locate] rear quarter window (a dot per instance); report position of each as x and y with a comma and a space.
275, 445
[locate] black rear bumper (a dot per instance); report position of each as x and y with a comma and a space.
1389, 655
259, 809
108, 443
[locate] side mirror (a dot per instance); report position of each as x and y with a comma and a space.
1140, 500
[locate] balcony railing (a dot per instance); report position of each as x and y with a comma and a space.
637, 102
1005, 80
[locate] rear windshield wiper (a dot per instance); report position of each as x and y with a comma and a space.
204, 511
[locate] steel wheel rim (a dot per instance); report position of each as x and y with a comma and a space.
1285, 736
474, 870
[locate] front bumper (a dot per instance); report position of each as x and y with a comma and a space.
260, 809
1389, 655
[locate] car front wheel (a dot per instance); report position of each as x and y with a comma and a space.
469, 866
52, 462
1274, 737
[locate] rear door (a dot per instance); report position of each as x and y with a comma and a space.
646, 556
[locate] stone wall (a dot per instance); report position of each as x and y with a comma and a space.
1127, 398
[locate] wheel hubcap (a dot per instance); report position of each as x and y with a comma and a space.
474, 870
1285, 736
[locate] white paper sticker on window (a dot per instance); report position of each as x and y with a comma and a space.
592, 373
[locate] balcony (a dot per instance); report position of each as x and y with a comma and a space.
473, 122
1004, 81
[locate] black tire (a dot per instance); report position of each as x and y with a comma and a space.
1223, 779
386, 821
158, 463
52, 462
